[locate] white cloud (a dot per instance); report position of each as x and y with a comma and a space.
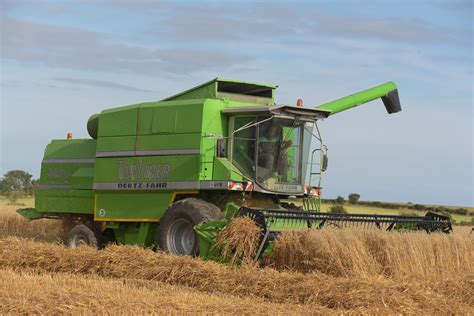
72, 48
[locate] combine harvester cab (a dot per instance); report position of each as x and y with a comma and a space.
173, 173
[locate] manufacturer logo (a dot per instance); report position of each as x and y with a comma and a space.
131, 172
102, 212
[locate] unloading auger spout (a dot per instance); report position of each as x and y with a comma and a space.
388, 92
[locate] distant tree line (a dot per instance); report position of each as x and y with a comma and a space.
354, 198
17, 183
338, 206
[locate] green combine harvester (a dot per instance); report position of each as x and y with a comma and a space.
173, 173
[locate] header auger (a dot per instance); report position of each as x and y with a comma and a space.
173, 173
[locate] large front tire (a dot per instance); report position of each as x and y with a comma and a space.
176, 233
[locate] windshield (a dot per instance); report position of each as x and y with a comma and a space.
272, 151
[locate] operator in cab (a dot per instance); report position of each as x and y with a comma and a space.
272, 160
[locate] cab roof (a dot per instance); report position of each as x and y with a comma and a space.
282, 111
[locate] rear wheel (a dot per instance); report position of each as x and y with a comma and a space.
176, 233
84, 235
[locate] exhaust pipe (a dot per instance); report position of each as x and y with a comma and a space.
388, 92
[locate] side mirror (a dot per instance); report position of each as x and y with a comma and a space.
324, 164
324, 158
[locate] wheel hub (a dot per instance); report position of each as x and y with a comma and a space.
181, 238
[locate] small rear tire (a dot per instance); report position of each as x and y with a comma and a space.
84, 235
176, 233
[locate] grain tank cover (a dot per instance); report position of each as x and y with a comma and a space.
231, 90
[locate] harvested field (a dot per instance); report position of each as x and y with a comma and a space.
323, 272
68, 293
318, 290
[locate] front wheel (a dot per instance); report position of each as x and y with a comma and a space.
176, 233
84, 235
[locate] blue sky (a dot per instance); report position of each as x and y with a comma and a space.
62, 61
